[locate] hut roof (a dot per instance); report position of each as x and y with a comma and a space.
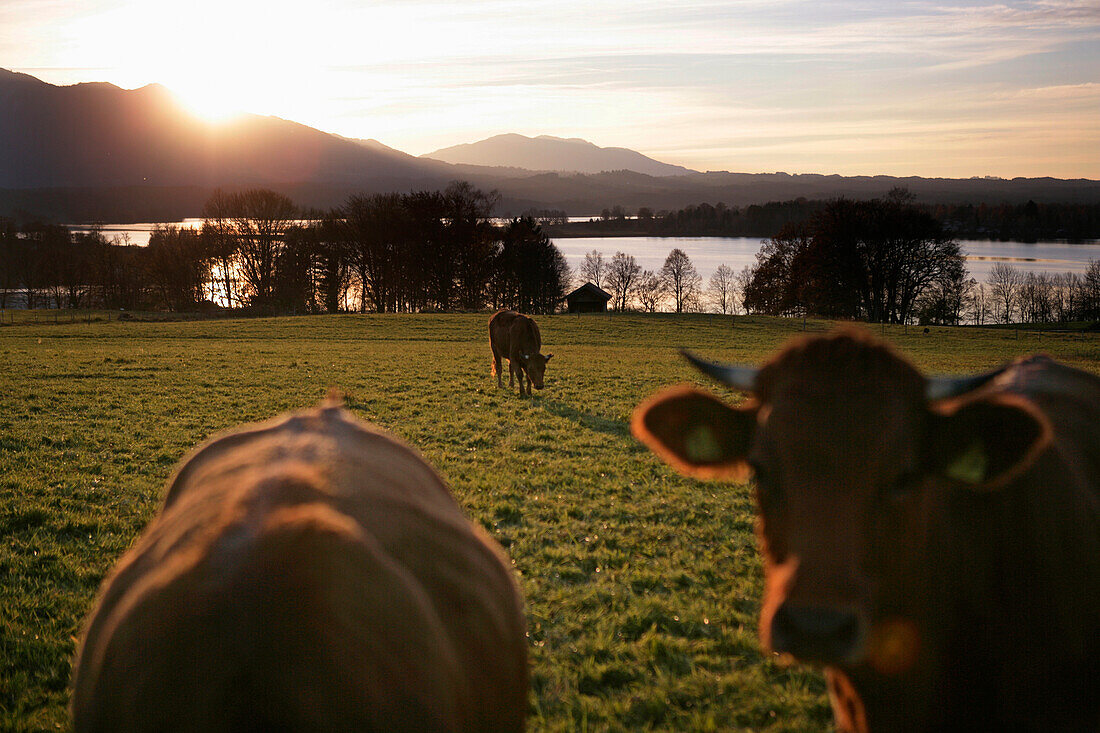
588, 291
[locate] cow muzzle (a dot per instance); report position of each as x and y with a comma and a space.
818, 634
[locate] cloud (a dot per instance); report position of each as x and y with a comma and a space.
741, 79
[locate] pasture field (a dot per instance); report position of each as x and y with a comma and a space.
642, 587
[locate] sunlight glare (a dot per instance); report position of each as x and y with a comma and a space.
210, 101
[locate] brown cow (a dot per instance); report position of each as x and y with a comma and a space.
516, 337
308, 573
935, 545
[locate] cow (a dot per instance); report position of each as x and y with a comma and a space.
308, 573
516, 338
934, 543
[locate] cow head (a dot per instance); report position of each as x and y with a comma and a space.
536, 367
846, 441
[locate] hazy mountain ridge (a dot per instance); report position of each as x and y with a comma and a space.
98, 152
549, 153
98, 135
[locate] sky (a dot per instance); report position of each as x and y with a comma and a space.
906, 87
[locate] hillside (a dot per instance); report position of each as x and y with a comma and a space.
98, 135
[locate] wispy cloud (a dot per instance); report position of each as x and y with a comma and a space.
845, 86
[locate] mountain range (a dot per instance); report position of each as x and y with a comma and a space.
96, 152
549, 153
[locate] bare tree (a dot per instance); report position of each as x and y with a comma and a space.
260, 218
1004, 290
622, 276
1036, 298
723, 289
978, 305
651, 291
1064, 286
1090, 292
221, 245
594, 269
681, 277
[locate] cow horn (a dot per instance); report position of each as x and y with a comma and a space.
940, 388
738, 377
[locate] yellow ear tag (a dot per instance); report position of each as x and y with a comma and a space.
969, 466
702, 446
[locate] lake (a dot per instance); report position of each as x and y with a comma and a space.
707, 253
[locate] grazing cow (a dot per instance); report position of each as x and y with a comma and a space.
308, 573
516, 337
934, 543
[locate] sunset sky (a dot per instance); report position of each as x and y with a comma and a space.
926, 88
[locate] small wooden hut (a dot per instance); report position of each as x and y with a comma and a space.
588, 299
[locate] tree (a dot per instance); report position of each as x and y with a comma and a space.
742, 281
943, 302
774, 287
681, 277
594, 269
723, 289
1090, 292
1037, 298
260, 218
10, 259
651, 291
376, 229
1004, 290
334, 261
855, 259
471, 241
217, 234
622, 275
178, 266
532, 273
247, 228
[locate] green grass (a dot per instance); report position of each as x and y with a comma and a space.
642, 587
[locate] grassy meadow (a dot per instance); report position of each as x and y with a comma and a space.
642, 587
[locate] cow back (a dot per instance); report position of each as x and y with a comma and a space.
525, 337
514, 333
308, 573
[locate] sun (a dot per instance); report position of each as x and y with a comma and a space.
210, 101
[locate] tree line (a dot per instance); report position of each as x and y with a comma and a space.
1027, 222
883, 260
1011, 296
256, 250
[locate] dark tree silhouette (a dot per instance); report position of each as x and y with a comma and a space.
177, 266
531, 272
855, 259
258, 220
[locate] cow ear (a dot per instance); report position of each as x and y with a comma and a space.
696, 433
983, 444
548, 357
